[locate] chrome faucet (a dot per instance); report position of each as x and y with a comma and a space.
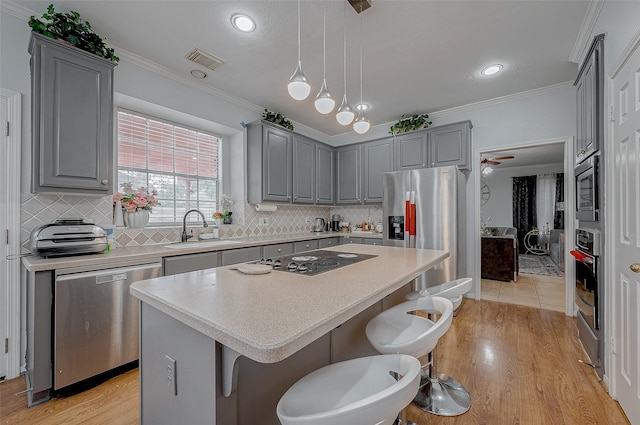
186, 237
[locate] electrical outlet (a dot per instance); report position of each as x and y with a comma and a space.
263, 221
171, 375
307, 220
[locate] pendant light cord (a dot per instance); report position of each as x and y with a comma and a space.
344, 41
361, 59
324, 40
298, 31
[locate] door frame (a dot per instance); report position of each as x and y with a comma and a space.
569, 212
609, 258
11, 178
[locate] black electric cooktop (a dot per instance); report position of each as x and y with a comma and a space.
312, 263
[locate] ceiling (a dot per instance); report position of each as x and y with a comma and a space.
418, 56
538, 155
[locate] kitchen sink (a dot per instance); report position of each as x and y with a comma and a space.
202, 244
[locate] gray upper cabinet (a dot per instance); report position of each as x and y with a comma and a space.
325, 174
304, 170
411, 150
589, 97
450, 145
72, 119
348, 174
377, 159
269, 163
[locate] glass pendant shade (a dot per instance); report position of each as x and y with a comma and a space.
361, 124
324, 101
345, 114
299, 87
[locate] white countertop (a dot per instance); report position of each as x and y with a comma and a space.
271, 316
36, 263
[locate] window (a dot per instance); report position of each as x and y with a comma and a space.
181, 163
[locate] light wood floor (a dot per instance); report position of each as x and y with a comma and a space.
519, 364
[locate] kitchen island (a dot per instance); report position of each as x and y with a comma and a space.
221, 347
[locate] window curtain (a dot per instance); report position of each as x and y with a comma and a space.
558, 217
524, 207
545, 200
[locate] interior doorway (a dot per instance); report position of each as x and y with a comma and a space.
494, 209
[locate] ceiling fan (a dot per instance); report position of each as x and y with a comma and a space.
495, 161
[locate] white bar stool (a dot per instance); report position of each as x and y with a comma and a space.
447, 397
365, 391
400, 330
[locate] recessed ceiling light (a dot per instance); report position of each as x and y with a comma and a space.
243, 23
198, 74
491, 69
362, 107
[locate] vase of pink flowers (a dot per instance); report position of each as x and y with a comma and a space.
137, 205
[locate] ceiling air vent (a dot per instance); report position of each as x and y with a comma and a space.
203, 58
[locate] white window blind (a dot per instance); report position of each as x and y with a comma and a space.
181, 163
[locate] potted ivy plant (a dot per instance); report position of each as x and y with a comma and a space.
70, 28
415, 122
277, 118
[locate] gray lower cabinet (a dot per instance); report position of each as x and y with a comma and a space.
372, 241
349, 239
450, 145
240, 255
270, 251
325, 174
348, 175
377, 159
411, 150
304, 170
305, 245
328, 242
269, 163
72, 119
190, 263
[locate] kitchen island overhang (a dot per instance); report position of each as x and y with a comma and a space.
221, 347
269, 317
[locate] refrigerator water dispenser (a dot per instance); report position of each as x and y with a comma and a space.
396, 227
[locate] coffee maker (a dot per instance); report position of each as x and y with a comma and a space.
335, 223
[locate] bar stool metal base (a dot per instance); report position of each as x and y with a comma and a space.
443, 396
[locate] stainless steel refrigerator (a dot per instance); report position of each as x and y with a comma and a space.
425, 208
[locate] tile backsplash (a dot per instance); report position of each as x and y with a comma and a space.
39, 209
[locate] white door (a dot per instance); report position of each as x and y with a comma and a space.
625, 129
4, 321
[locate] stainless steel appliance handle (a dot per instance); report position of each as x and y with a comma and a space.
108, 275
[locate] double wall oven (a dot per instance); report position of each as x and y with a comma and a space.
588, 292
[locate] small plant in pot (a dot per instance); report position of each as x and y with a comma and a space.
277, 118
69, 27
415, 122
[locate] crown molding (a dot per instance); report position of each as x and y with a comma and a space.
16, 10
149, 65
583, 41
504, 99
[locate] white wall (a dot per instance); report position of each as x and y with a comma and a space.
500, 183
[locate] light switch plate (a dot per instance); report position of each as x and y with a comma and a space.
263, 221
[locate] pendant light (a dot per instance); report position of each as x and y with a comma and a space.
299, 87
324, 101
345, 113
361, 124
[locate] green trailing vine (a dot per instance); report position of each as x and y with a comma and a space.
415, 122
72, 29
277, 118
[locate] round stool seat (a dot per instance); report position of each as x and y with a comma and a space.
452, 291
361, 391
399, 330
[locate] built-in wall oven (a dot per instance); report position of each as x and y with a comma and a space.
588, 290
587, 204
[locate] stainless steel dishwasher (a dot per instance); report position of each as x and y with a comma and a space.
96, 321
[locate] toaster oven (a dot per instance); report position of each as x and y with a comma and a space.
68, 237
